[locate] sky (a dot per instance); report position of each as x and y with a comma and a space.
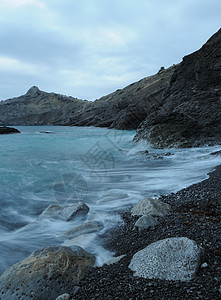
90, 48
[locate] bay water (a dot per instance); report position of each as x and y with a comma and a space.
103, 168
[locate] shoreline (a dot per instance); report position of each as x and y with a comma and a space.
195, 213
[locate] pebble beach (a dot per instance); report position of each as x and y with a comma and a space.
195, 214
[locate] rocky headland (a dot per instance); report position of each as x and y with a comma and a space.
177, 107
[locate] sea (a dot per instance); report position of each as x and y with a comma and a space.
102, 167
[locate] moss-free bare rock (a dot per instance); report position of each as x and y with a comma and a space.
149, 206
168, 259
145, 222
46, 274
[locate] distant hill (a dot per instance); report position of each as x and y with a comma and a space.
123, 109
179, 106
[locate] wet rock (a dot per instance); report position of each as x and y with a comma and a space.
216, 153
8, 130
46, 274
79, 209
52, 211
88, 227
145, 222
149, 206
168, 259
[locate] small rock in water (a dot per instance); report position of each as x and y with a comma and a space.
149, 206
79, 209
8, 130
51, 211
88, 227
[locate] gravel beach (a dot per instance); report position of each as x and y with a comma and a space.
195, 214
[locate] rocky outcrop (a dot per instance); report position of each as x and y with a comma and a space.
189, 114
46, 274
168, 259
40, 108
8, 130
177, 107
123, 109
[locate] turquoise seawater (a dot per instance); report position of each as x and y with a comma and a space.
61, 165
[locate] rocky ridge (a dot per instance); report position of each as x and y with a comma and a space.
123, 109
177, 107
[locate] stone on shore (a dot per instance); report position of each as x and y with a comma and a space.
79, 209
46, 274
8, 130
88, 227
149, 206
145, 222
168, 259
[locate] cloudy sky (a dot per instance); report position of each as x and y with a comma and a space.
89, 48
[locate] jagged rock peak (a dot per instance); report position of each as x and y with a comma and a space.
33, 91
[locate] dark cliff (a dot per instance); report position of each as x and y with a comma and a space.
190, 114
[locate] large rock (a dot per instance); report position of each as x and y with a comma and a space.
189, 114
79, 209
46, 274
8, 130
168, 259
149, 206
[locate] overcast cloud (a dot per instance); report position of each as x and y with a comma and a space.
89, 48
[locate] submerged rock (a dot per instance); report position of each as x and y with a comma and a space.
8, 130
52, 211
168, 259
88, 227
46, 274
149, 206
